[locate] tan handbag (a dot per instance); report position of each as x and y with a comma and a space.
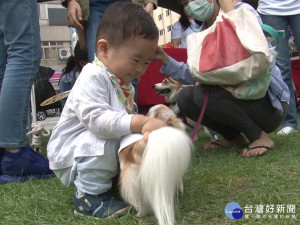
230, 52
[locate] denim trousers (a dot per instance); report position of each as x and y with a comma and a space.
97, 9
283, 59
20, 54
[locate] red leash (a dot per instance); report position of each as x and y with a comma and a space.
195, 131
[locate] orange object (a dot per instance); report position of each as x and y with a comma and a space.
168, 45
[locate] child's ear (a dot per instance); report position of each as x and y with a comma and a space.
102, 47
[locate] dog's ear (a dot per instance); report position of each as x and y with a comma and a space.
133, 153
126, 154
138, 150
175, 122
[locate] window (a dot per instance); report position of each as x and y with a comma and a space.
162, 32
160, 16
169, 28
50, 53
168, 12
50, 50
57, 16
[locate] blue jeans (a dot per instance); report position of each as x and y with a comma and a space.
97, 9
20, 53
283, 59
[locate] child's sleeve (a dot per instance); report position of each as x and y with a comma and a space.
98, 109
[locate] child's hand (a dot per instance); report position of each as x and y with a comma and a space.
143, 124
152, 124
146, 135
161, 56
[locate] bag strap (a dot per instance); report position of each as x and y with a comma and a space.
271, 32
195, 131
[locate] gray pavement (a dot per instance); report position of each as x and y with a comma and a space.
49, 122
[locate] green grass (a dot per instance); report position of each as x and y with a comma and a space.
215, 178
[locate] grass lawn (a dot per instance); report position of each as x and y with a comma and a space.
215, 178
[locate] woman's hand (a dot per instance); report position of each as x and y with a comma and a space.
161, 56
227, 5
176, 42
74, 15
149, 8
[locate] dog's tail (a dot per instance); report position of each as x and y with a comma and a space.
166, 159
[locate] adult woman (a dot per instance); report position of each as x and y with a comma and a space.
230, 117
185, 26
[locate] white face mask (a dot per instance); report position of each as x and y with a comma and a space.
201, 10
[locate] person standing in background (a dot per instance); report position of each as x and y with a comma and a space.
85, 16
20, 54
185, 26
280, 15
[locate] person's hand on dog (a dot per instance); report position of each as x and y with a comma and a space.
146, 135
145, 125
151, 125
74, 15
161, 56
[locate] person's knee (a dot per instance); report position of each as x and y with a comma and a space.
184, 99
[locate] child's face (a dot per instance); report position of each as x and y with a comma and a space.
131, 59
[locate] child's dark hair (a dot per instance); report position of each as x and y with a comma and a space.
124, 20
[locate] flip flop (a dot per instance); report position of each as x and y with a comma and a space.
256, 147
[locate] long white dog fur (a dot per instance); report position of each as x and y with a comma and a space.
152, 172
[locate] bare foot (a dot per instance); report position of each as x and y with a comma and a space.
258, 147
239, 140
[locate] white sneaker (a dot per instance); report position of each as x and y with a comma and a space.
286, 131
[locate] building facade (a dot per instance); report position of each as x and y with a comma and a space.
164, 20
55, 35
57, 38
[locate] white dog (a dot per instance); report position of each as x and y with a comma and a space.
152, 171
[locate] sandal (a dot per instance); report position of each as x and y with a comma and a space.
245, 151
